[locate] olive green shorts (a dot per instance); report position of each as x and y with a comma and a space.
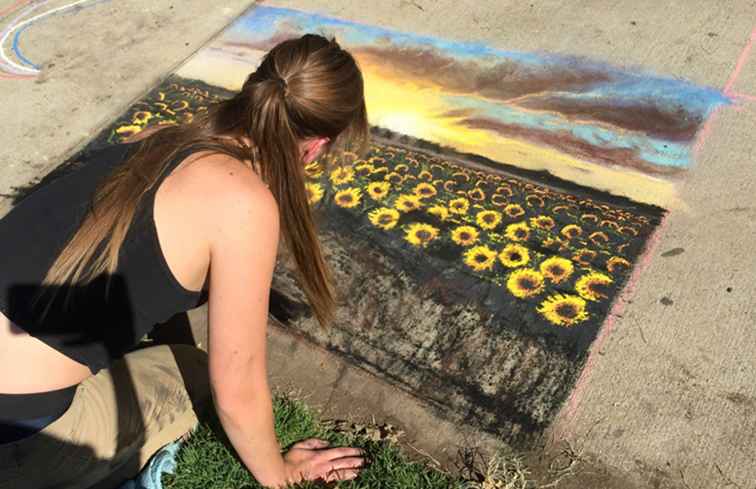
117, 420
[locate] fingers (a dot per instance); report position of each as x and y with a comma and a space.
343, 468
335, 453
341, 475
311, 443
348, 463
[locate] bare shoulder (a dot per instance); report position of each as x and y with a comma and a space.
230, 193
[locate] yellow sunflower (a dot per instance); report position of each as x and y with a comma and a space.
384, 217
555, 243
459, 205
542, 222
464, 235
592, 286
407, 203
127, 131
401, 167
180, 105
313, 169
449, 185
378, 190
364, 168
608, 223
461, 175
499, 201
314, 192
488, 219
424, 190
480, 258
525, 282
518, 231
420, 234
476, 194
615, 263
348, 198
557, 269
584, 256
439, 211
571, 231
342, 175
599, 238
378, 169
393, 177
564, 310
534, 200
425, 175
514, 210
514, 255
142, 117
589, 217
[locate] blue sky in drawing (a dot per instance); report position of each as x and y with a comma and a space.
641, 120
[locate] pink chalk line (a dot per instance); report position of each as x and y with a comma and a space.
706, 130
13, 7
562, 424
741, 63
568, 412
743, 96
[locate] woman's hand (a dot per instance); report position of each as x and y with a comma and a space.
310, 460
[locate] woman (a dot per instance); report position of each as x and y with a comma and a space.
149, 229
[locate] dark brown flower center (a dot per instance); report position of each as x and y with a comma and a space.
515, 256
568, 311
384, 219
480, 258
528, 283
598, 288
423, 235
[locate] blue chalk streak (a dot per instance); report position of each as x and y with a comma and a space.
20, 56
16, 38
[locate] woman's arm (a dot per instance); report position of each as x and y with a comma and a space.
243, 245
244, 229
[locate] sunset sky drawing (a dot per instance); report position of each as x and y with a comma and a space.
624, 131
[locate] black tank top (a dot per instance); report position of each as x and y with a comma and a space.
108, 316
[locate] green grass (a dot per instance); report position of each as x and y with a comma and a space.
205, 461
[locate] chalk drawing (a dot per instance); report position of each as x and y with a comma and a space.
507, 205
26, 69
563, 427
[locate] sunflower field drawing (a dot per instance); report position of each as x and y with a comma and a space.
562, 255
505, 200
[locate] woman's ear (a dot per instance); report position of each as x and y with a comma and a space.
313, 148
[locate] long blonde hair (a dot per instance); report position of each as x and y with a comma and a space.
303, 88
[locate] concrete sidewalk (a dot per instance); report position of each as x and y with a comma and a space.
668, 396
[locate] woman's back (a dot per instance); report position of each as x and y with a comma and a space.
162, 268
